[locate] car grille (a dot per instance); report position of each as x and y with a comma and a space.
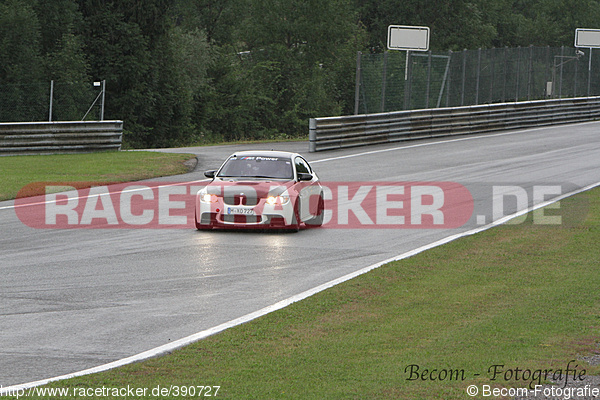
240, 200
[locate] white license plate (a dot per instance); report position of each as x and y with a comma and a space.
239, 210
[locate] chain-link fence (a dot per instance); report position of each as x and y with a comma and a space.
396, 80
51, 101
391, 81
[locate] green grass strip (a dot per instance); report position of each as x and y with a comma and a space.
523, 296
107, 167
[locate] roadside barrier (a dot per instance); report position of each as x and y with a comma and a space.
60, 137
359, 130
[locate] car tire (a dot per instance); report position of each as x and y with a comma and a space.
295, 225
317, 220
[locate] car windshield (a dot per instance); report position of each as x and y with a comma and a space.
257, 167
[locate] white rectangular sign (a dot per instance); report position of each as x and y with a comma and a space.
414, 38
589, 38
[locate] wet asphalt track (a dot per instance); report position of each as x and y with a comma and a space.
75, 299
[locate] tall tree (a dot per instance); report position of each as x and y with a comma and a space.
58, 18
20, 48
455, 24
300, 45
21, 96
128, 44
118, 53
217, 18
65, 61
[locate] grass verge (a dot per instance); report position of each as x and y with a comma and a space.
521, 296
107, 167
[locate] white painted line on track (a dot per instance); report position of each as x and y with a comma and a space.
161, 350
138, 189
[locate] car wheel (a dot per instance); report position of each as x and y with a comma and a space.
317, 220
295, 225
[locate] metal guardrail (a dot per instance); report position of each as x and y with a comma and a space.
359, 130
21, 138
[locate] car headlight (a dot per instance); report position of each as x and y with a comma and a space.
209, 198
273, 200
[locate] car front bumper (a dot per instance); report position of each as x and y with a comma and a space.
262, 215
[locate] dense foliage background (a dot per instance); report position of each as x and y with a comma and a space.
193, 71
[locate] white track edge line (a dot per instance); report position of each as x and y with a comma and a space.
134, 183
164, 349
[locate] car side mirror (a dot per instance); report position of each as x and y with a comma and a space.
302, 176
210, 174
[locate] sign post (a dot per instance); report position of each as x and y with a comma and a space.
408, 38
588, 38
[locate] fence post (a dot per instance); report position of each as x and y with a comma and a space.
103, 96
505, 73
518, 74
492, 73
464, 77
449, 78
408, 81
384, 80
575, 79
562, 55
548, 75
51, 99
357, 84
428, 80
529, 72
444, 79
589, 73
478, 76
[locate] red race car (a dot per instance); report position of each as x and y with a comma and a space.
261, 189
